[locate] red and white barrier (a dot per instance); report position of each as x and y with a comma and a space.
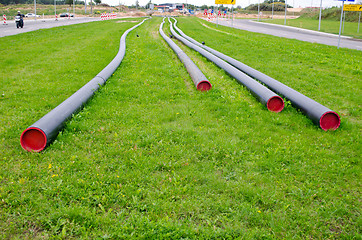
56, 17
4, 16
107, 16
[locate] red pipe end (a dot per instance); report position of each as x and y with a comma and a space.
330, 121
275, 104
33, 139
204, 86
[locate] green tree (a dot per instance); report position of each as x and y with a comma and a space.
204, 7
70, 2
97, 2
275, 1
148, 4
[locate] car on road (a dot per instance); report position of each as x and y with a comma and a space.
66, 15
31, 15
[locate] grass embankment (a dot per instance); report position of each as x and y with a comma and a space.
150, 157
328, 26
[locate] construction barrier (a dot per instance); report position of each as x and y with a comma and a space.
107, 16
4, 16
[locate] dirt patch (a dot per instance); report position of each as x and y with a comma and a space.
135, 14
215, 29
155, 34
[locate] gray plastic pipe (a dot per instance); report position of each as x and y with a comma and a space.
199, 79
319, 114
39, 135
272, 101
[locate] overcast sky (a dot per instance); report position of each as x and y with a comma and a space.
243, 3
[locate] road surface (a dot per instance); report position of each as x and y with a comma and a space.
293, 33
32, 25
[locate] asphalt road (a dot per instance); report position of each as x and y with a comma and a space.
32, 25
293, 33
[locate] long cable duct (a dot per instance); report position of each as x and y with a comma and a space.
199, 79
319, 114
266, 96
44, 131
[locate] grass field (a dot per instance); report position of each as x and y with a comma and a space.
328, 26
150, 157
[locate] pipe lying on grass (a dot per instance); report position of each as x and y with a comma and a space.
44, 131
319, 114
199, 79
266, 96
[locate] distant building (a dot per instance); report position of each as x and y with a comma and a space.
171, 6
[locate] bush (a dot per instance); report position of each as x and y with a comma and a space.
278, 6
333, 13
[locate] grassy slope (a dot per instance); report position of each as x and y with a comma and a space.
329, 26
150, 156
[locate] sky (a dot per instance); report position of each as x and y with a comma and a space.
242, 3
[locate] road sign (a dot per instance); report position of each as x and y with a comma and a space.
353, 8
225, 2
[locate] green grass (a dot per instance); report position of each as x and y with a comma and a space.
150, 157
328, 26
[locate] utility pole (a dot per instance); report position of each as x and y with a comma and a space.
55, 10
320, 15
35, 8
340, 24
285, 17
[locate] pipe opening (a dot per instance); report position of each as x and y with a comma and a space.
329, 121
275, 104
33, 139
204, 86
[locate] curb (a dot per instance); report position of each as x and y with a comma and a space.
304, 30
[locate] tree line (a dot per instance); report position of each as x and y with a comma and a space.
48, 2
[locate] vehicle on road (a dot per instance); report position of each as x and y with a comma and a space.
31, 15
19, 21
66, 15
